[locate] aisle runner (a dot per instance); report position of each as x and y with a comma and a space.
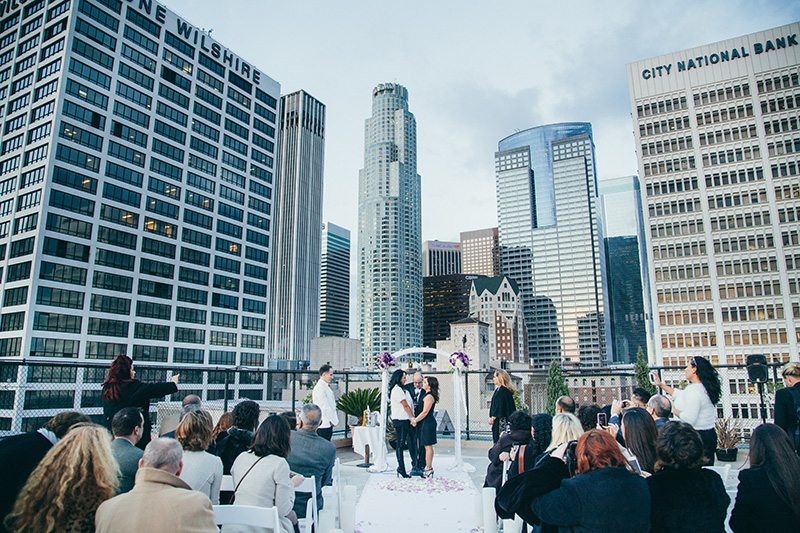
449, 502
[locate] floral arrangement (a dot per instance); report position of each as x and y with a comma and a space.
385, 360
436, 485
459, 360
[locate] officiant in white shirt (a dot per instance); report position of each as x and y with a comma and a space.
323, 396
417, 395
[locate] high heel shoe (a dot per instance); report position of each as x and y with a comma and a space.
402, 474
428, 473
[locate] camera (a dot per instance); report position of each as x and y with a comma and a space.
571, 458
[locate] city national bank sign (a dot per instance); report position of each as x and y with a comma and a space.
720, 57
187, 32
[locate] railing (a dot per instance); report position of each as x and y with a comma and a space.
31, 391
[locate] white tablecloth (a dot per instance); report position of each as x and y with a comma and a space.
365, 435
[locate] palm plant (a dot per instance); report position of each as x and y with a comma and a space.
355, 402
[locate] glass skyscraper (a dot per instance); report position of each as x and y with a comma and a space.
389, 227
550, 240
135, 196
334, 310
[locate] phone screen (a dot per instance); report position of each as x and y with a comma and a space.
602, 419
635, 465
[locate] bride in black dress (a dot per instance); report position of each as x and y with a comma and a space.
426, 422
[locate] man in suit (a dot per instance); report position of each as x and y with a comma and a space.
127, 428
417, 394
323, 396
660, 408
191, 403
160, 500
310, 455
21, 454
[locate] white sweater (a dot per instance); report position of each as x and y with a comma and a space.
203, 472
695, 406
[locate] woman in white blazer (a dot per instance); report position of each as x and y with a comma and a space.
201, 470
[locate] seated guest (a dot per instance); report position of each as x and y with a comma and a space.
520, 433
639, 398
541, 433
240, 435
311, 455
127, 427
768, 497
565, 404
566, 428
65, 490
261, 475
223, 425
189, 404
201, 470
640, 434
660, 408
587, 414
19, 455
291, 419
603, 496
160, 500
685, 496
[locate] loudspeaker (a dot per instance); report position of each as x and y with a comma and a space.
757, 370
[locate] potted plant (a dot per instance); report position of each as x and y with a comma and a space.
728, 436
355, 402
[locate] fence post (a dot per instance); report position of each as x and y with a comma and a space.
225, 392
347, 383
294, 392
466, 394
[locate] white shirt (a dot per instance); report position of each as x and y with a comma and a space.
695, 406
397, 396
326, 401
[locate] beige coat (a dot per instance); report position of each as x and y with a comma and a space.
159, 501
267, 485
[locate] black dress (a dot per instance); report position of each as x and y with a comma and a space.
427, 429
134, 393
502, 405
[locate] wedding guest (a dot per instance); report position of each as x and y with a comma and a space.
660, 408
696, 403
685, 497
323, 396
787, 402
190, 402
639, 398
239, 436
20, 454
565, 404
261, 475
541, 433
566, 428
640, 434
121, 389
311, 455
127, 427
603, 496
417, 392
769, 491
291, 419
221, 429
402, 417
587, 414
425, 423
65, 490
201, 470
520, 434
502, 404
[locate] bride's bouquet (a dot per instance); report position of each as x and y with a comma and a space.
385, 360
459, 360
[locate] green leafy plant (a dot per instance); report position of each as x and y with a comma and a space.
556, 385
519, 403
355, 402
642, 372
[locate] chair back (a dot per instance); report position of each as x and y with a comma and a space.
247, 515
227, 484
309, 486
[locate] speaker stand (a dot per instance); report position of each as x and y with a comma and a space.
763, 406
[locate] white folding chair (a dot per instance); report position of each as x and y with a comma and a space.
309, 485
337, 484
227, 484
247, 515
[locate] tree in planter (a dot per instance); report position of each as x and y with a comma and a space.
556, 386
641, 371
519, 403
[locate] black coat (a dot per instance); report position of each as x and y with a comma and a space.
516, 496
418, 405
502, 403
137, 394
234, 442
494, 472
19, 457
785, 410
609, 499
758, 507
688, 500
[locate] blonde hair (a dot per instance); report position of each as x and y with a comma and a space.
195, 430
566, 428
791, 369
505, 379
65, 490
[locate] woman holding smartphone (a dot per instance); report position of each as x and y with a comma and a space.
696, 404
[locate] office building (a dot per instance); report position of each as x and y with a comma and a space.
334, 283
445, 300
551, 240
136, 178
441, 258
389, 291
717, 140
480, 252
297, 228
498, 302
626, 258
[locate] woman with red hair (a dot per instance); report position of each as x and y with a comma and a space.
604, 495
121, 389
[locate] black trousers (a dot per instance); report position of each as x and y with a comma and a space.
413, 436
709, 438
402, 431
325, 433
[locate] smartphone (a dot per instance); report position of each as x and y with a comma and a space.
652, 377
635, 465
602, 420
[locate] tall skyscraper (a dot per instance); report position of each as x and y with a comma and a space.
136, 179
716, 137
297, 228
445, 300
389, 227
480, 252
334, 309
550, 240
441, 258
626, 257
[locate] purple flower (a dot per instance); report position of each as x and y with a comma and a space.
459, 359
384, 360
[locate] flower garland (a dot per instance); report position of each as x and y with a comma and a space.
385, 361
459, 360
